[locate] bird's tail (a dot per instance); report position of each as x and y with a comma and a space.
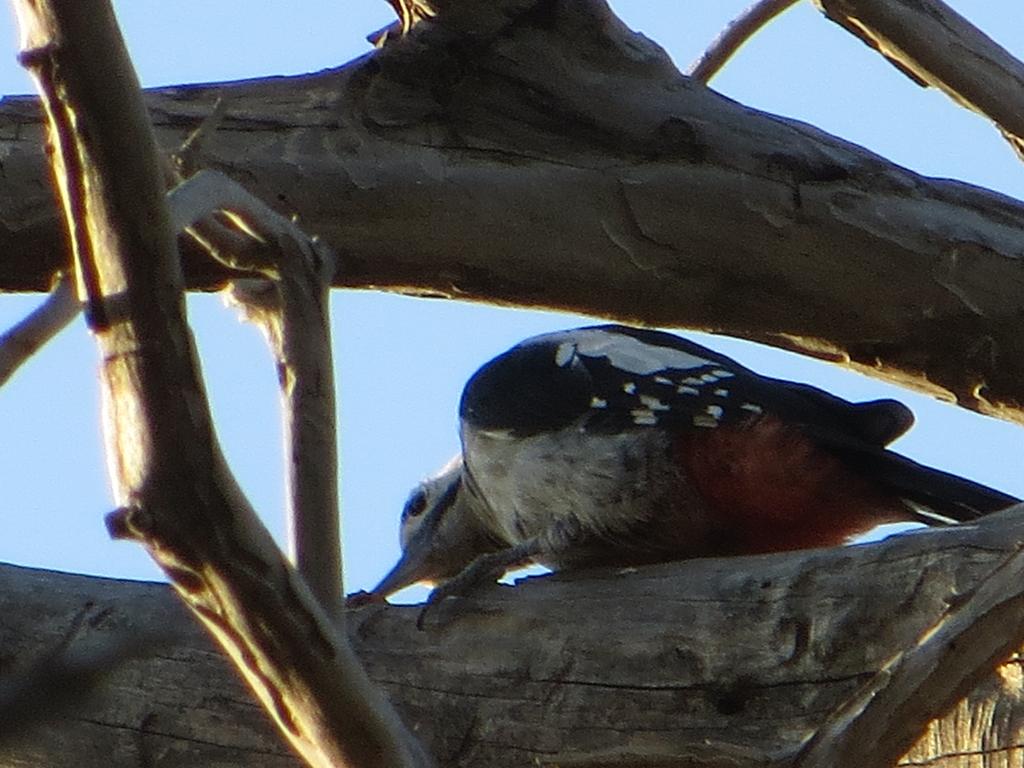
935, 497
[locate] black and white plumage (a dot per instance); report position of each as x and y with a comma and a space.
617, 445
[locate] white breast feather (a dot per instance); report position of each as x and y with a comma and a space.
531, 482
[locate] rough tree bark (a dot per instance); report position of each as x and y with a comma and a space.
618, 188
701, 663
685, 209
175, 493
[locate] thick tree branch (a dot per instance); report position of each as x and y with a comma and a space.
642, 196
714, 662
934, 45
178, 496
67, 674
981, 630
619, 188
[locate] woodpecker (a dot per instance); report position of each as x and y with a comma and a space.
612, 445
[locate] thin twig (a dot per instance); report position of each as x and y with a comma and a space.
293, 314
47, 320
187, 159
736, 33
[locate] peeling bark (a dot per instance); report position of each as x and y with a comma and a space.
691, 663
566, 163
541, 154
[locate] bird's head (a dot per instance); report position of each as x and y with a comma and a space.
439, 533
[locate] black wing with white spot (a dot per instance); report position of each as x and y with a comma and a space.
621, 378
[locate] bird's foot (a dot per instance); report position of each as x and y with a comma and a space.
485, 569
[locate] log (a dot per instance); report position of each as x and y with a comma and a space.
692, 663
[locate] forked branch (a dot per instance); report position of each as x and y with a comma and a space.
887, 716
176, 493
291, 308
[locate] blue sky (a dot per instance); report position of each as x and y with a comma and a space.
401, 361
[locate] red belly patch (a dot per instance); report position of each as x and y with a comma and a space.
769, 487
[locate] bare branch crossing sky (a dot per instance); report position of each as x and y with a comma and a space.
402, 362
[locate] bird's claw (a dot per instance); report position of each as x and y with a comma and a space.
485, 569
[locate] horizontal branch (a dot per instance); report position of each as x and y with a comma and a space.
618, 188
557, 668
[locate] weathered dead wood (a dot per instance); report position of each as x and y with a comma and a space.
684, 664
289, 303
177, 496
935, 46
979, 630
574, 167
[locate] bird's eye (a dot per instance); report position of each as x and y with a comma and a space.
415, 505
